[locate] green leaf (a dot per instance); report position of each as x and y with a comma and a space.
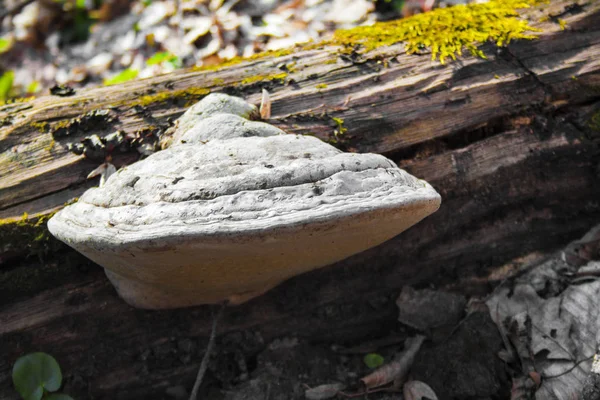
123, 76
164, 57
33, 87
159, 57
34, 373
373, 360
58, 396
5, 45
6, 82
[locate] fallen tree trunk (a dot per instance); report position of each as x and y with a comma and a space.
511, 143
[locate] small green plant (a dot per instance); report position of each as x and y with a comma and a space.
373, 360
37, 376
166, 58
5, 44
34, 87
340, 130
6, 83
123, 76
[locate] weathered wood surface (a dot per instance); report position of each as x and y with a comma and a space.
386, 109
509, 142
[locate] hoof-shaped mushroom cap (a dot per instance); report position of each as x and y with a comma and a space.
234, 209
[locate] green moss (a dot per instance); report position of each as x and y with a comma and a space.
65, 123
562, 23
30, 278
594, 122
238, 60
446, 31
192, 95
50, 145
17, 100
41, 126
260, 78
340, 130
27, 281
27, 235
321, 86
291, 67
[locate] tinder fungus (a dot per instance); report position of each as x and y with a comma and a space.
234, 207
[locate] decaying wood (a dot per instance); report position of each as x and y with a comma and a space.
509, 142
389, 102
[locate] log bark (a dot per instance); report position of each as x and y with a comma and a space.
511, 143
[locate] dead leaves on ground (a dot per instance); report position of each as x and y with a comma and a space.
395, 371
549, 321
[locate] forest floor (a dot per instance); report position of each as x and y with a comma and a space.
91, 43
535, 334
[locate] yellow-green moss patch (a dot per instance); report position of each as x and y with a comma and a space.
50, 145
238, 60
594, 122
191, 94
27, 235
260, 78
446, 31
41, 126
17, 100
562, 23
340, 129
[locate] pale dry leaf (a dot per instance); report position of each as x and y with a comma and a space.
417, 390
395, 370
536, 378
565, 328
596, 364
105, 170
265, 105
97, 171
522, 388
323, 392
110, 169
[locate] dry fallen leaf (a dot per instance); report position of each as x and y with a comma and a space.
265, 105
417, 390
564, 326
395, 370
323, 392
105, 170
522, 388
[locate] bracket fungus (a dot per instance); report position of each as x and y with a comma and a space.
234, 207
